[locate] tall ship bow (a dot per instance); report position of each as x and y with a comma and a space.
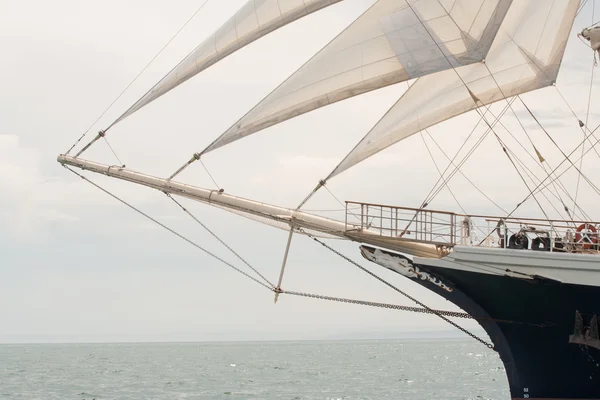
531, 281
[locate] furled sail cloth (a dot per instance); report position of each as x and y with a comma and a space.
254, 20
393, 41
526, 55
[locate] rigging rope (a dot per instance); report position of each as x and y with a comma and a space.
528, 171
440, 171
464, 175
588, 110
582, 126
424, 309
516, 116
219, 239
530, 174
568, 168
134, 80
581, 6
539, 161
489, 345
113, 151
467, 87
341, 203
567, 157
549, 174
506, 151
509, 104
169, 229
209, 174
535, 180
436, 190
532, 177
537, 189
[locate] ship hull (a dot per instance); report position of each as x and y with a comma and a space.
531, 319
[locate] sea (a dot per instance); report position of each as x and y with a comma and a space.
310, 370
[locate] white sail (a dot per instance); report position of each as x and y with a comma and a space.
393, 41
254, 20
525, 56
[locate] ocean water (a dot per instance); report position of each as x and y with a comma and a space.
336, 370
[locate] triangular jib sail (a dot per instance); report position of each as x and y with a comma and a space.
526, 55
254, 20
393, 41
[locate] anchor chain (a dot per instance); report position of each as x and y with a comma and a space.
453, 314
423, 309
426, 309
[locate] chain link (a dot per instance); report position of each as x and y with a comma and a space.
424, 309
420, 310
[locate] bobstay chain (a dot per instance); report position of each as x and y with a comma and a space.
277, 290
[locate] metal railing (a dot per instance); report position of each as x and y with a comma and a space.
449, 229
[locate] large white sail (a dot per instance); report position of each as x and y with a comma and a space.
525, 56
254, 20
393, 41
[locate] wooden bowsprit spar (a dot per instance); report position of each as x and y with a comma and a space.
68, 162
286, 216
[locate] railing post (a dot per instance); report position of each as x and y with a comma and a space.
470, 231
362, 216
453, 228
551, 237
431, 226
346, 219
417, 223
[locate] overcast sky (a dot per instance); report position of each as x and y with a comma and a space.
76, 265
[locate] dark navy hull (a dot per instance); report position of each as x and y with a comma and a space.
542, 358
